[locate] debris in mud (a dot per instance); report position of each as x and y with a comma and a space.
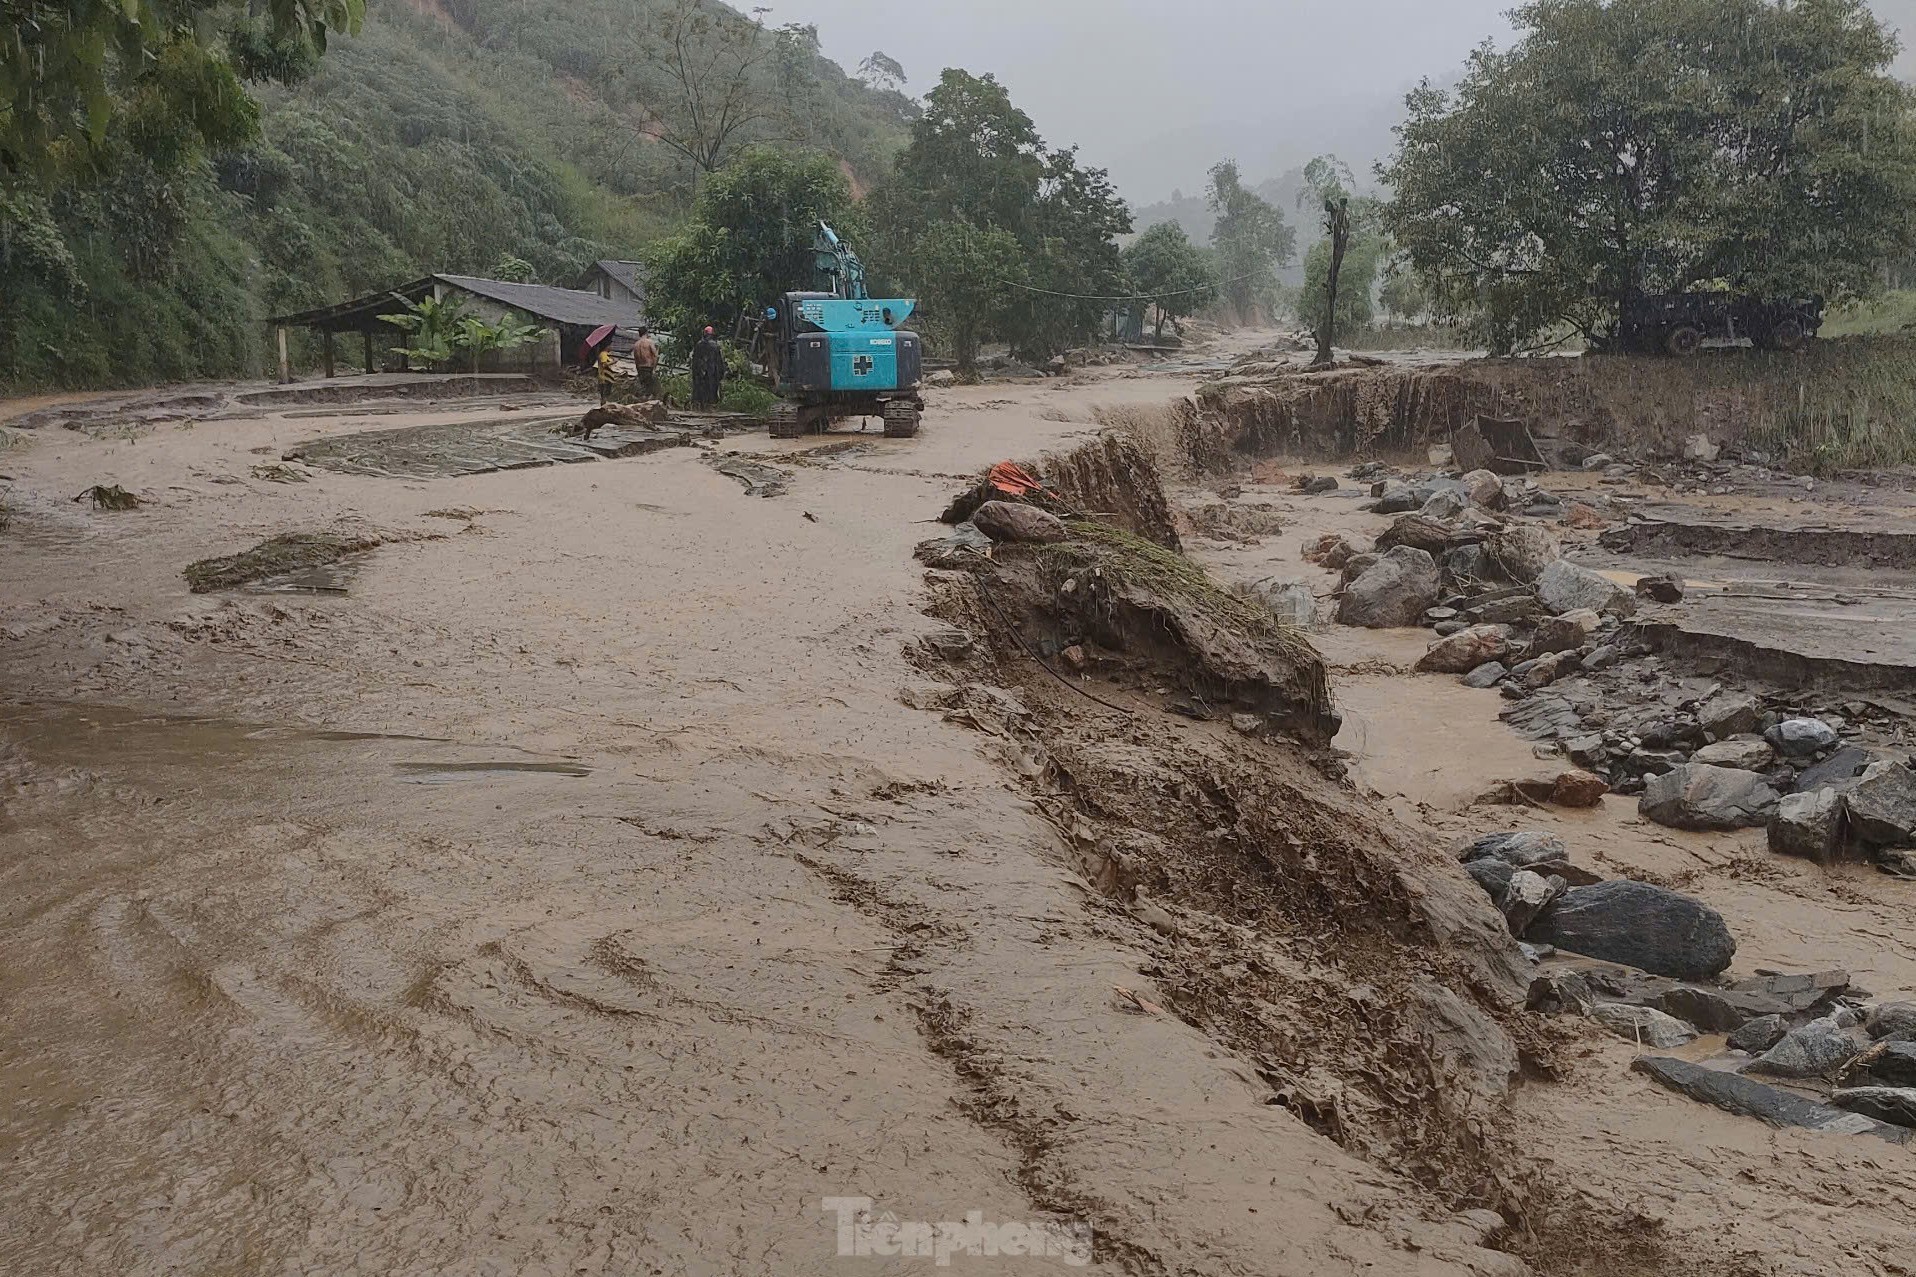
276, 556
760, 480
110, 497
1017, 522
1747, 1098
277, 473
949, 551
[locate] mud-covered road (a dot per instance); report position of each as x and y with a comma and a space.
577, 892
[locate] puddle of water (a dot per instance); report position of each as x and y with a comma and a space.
451, 773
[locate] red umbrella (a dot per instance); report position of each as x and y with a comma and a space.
600, 333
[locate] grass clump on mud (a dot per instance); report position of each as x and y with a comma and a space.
288, 552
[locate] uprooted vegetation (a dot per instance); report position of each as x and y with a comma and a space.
275, 556
1841, 403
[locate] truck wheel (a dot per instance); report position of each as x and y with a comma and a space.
786, 422
1683, 340
1787, 333
901, 419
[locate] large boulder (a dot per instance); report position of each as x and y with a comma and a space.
1397, 498
1016, 521
1893, 1020
1745, 753
1392, 592
1564, 587
1564, 633
1290, 601
1885, 1064
1802, 737
1520, 850
1759, 1035
1652, 928
1698, 796
1808, 825
1882, 805
1484, 489
1523, 550
1893, 1104
1427, 532
1816, 1049
1729, 714
1465, 650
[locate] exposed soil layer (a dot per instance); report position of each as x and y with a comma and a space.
1892, 547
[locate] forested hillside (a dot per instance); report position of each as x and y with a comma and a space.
446, 135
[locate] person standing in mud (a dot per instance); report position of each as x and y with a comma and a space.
645, 358
605, 373
708, 369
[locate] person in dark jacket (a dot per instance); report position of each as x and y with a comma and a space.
708, 369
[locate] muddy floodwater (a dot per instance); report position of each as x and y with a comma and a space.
569, 887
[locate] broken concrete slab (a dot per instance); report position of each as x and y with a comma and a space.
1749, 1098
467, 448
1697, 796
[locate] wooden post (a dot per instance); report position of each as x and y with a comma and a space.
285, 368
328, 354
368, 335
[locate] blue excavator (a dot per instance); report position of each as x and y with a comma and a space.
837, 352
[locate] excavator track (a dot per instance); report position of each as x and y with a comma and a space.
901, 419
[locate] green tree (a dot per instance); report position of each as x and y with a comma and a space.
513, 269
1622, 147
1178, 276
963, 269
432, 326
1252, 240
749, 240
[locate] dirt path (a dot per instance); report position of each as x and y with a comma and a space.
576, 893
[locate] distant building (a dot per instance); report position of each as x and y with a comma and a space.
568, 316
617, 281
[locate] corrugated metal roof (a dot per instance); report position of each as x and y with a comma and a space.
567, 306
631, 274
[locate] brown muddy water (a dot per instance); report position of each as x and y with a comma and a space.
575, 894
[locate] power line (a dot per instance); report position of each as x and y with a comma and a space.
1126, 297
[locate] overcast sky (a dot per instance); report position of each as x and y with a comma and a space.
1157, 90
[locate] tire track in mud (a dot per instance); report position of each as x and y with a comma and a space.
991, 1098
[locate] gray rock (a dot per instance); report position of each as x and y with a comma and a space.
1808, 825
1651, 928
1598, 461
1519, 850
1466, 565
1290, 601
1489, 674
1745, 753
1492, 874
1522, 551
1881, 806
1653, 762
1444, 629
1710, 1008
954, 548
1564, 633
1464, 650
1445, 504
1892, 1020
1564, 587
1016, 521
1760, 1034
1816, 1049
1838, 770
1642, 1025
1513, 608
1698, 796
951, 643
1797, 992
1397, 499
1392, 592
1893, 1104
1885, 1064
1729, 714
1528, 895
1747, 1097
1660, 589
1601, 657
1801, 737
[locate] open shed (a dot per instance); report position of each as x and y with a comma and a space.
568, 316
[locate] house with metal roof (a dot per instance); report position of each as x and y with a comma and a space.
568, 316
616, 281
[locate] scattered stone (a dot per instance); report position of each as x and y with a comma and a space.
1801, 737
1838, 770
1427, 532
1598, 461
1525, 896
1247, 724
1564, 587
1493, 875
1587, 750
1892, 1020
1565, 633
1893, 1104
1797, 992
1584, 517
1660, 589
1444, 505
1816, 1049
1466, 566
1315, 484
1438, 615
1579, 789
1519, 850
941, 377
1745, 753
1465, 650
1727, 715
953, 548
1396, 499
951, 644
1809, 825
1881, 806
1760, 1034
1645, 1026
1697, 796
1394, 591
1746, 1097
1885, 1064
1288, 600
1653, 762
1484, 489
1601, 657
1652, 928
1699, 448
1073, 657
1517, 607
1523, 551
1335, 549
1489, 674
1016, 521
1444, 629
